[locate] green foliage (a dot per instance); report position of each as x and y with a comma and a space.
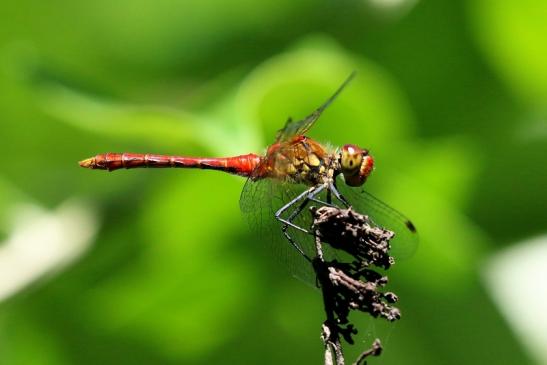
453, 116
512, 35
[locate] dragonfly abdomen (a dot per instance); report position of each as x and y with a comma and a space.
239, 165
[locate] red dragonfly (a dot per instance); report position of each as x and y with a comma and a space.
295, 171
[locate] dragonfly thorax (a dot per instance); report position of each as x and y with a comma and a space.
309, 170
301, 160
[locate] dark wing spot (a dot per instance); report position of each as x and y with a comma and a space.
410, 226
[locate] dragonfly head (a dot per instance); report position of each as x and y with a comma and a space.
356, 164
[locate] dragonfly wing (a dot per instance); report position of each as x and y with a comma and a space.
259, 202
300, 127
405, 242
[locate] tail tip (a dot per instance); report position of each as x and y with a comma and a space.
88, 163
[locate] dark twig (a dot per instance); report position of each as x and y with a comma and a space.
354, 285
331, 330
375, 350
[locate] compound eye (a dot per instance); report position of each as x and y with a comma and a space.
351, 159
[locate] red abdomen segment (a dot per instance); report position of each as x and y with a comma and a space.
240, 165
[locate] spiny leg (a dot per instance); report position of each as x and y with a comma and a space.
287, 222
324, 203
327, 203
311, 194
293, 215
340, 197
306, 196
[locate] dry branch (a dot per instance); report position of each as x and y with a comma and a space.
354, 285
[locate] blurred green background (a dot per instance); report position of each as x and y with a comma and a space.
158, 267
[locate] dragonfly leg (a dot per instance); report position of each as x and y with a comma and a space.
332, 189
295, 245
324, 203
287, 222
306, 196
340, 197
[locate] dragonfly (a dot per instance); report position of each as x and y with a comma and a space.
293, 174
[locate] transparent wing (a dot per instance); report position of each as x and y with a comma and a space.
262, 198
405, 242
300, 127
259, 202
